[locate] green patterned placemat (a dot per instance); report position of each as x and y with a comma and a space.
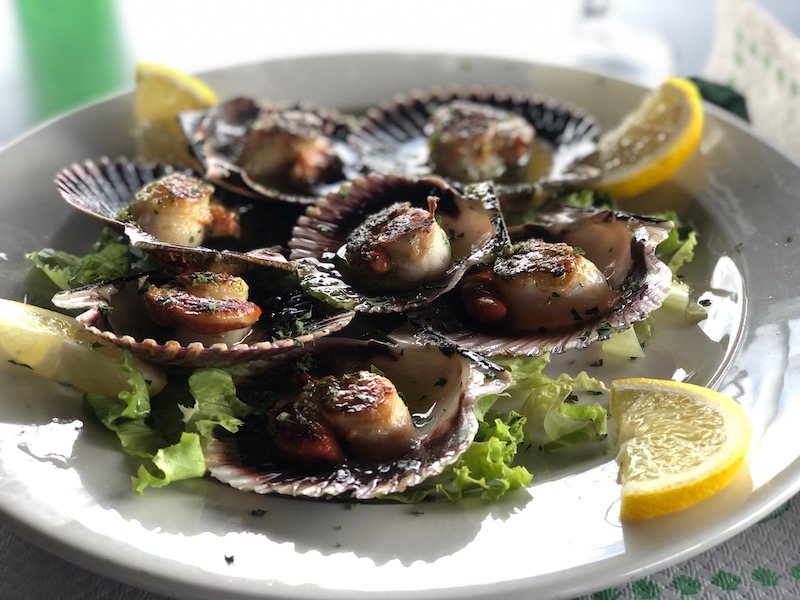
756, 55
761, 562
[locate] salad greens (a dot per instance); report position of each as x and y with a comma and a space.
111, 258
553, 419
166, 434
486, 469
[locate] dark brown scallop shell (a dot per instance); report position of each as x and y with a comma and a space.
425, 376
217, 135
105, 188
392, 137
115, 313
639, 290
187, 259
322, 232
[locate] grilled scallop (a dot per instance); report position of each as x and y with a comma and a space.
543, 292
390, 244
354, 419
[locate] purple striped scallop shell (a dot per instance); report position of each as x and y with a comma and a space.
393, 136
638, 291
105, 188
186, 259
217, 138
248, 460
323, 231
115, 313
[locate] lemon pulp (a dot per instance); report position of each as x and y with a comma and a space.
678, 444
57, 347
161, 94
654, 141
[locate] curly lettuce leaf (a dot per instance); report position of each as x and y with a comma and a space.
684, 253
677, 249
166, 433
485, 470
183, 460
624, 344
125, 413
588, 198
111, 258
553, 420
215, 403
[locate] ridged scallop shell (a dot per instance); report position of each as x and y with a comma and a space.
642, 290
392, 137
324, 229
247, 460
105, 188
216, 137
186, 259
275, 332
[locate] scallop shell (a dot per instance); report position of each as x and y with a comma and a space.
324, 230
128, 326
392, 137
186, 259
105, 188
639, 291
248, 461
216, 137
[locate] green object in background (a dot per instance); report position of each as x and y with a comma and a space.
723, 96
72, 52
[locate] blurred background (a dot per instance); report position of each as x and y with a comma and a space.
56, 55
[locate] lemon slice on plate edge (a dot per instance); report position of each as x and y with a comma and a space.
678, 443
55, 346
653, 141
161, 93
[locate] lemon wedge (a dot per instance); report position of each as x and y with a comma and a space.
678, 443
161, 94
654, 141
57, 347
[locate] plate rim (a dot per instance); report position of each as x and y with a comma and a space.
95, 561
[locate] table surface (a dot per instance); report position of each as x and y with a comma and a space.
57, 56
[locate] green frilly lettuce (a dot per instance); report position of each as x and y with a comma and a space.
553, 418
111, 259
485, 470
166, 433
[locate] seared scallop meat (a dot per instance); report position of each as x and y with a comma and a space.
536, 285
289, 145
357, 415
206, 307
402, 242
471, 141
179, 209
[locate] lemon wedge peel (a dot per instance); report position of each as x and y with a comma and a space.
161, 94
55, 346
654, 141
679, 443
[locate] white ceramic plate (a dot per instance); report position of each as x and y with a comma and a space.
65, 486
